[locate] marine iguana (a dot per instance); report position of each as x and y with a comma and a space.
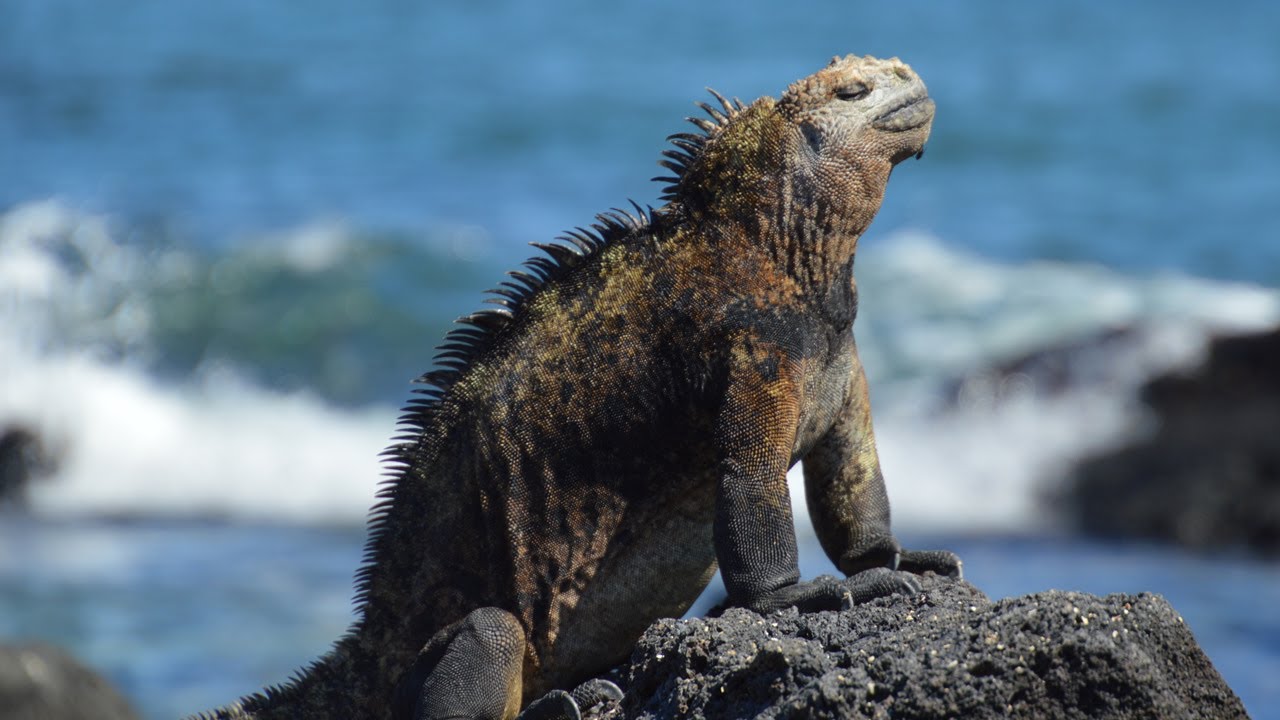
589, 450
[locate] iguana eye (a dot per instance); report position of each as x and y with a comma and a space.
853, 91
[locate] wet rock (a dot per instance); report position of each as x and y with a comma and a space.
42, 682
1209, 474
1108, 358
23, 457
949, 652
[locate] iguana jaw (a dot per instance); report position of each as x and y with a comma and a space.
912, 113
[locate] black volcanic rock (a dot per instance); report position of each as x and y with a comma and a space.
1209, 475
42, 682
23, 457
949, 652
1108, 358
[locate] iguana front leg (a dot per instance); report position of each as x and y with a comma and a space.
754, 533
845, 492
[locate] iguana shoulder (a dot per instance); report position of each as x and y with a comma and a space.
588, 450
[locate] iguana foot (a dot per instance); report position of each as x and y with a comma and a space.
824, 592
560, 705
881, 567
882, 550
827, 592
595, 691
555, 705
879, 582
942, 562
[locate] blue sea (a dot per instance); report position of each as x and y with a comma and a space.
231, 233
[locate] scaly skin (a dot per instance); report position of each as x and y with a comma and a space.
590, 450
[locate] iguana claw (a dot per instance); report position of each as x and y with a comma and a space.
942, 562
555, 705
879, 582
595, 691
561, 705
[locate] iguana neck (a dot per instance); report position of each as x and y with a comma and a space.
805, 212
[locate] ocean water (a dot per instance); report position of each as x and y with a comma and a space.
231, 233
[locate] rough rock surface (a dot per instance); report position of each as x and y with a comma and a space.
948, 652
41, 682
1209, 475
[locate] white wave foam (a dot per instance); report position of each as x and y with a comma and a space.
132, 446
930, 310
62, 274
987, 461
218, 445
985, 469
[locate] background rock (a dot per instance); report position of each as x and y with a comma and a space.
1209, 475
42, 682
949, 652
23, 457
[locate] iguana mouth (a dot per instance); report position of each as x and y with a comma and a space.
909, 114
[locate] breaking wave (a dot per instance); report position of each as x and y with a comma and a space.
261, 382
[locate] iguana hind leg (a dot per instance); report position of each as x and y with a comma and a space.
470, 669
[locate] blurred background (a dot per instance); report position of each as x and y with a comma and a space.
231, 233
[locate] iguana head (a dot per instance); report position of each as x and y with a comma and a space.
861, 111
825, 148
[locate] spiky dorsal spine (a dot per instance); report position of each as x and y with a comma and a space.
479, 331
476, 334
690, 146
